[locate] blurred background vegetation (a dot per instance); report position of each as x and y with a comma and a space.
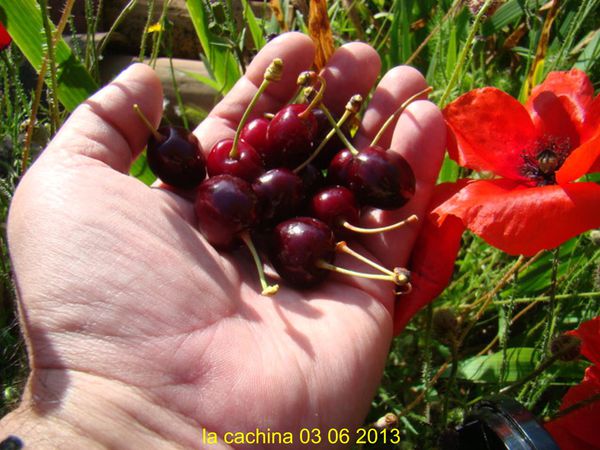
493, 326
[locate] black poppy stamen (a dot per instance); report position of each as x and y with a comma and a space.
541, 165
547, 161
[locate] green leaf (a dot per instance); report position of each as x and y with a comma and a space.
590, 54
508, 13
23, 20
449, 171
202, 79
255, 30
141, 170
220, 59
452, 53
520, 361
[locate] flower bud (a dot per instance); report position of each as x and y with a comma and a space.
476, 5
445, 325
390, 420
595, 237
566, 347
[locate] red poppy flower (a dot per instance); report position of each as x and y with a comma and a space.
578, 430
5, 38
536, 151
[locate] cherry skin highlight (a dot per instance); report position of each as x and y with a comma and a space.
177, 160
255, 134
247, 165
297, 245
382, 179
225, 206
280, 194
338, 172
335, 205
291, 136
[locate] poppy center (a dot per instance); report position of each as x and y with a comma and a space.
540, 166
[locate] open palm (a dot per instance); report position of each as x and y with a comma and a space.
130, 314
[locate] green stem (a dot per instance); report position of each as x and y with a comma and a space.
51, 59
272, 73
451, 380
145, 31
351, 108
342, 247
40, 81
180, 104
371, 276
394, 226
465, 51
552, 303
267, 289
341, 135
157, 40
102, 44
546, 298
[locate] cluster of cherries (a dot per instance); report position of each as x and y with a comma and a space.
291, 178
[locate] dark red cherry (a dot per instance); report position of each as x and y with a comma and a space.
177, 159
312, 178
297, 246
291, 135
335, 205
225, 206
247, 164
255, 134
382, 179
280, 194
338, 172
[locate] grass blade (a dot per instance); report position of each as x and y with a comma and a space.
220, 58
23, 20
255, 31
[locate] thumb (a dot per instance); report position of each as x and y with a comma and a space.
106, 128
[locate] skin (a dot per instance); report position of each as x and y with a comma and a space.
140, 334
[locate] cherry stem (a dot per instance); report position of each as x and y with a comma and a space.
339, 132
272, 73
371, 276
159, 137
398, 276
316, 100
351, 108
402, 107
342, 247
349, 226
267, 289
303, 80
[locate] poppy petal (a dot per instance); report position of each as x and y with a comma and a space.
521, 220
5, 38
558, 105
432, 260
591, 126
579, 429
589, 333
581, 161
491, 131
565, 439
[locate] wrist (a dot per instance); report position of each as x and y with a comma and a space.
66, 409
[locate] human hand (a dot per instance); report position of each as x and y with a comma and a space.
140, 334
